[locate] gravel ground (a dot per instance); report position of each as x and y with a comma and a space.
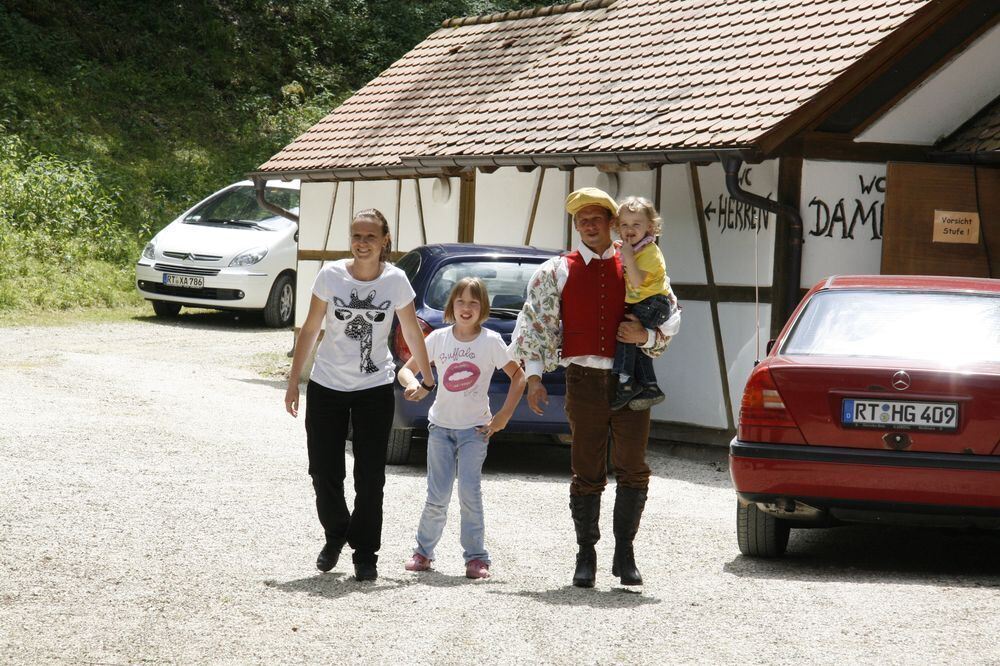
155, 507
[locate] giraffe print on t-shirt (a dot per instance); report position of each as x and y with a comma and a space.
360, 315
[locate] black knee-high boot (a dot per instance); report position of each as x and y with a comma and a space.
629, 504
586, 511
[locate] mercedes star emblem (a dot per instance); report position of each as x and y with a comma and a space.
901, 380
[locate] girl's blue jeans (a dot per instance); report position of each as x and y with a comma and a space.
451, 454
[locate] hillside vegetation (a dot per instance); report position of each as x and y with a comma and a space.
115, 115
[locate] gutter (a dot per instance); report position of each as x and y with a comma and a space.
431, 166
572, 160
731, 165
258, 186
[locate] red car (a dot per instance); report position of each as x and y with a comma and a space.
878, 402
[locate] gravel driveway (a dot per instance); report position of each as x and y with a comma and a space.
155, 507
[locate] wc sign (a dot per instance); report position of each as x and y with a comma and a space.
955, 227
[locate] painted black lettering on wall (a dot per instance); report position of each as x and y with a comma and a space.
732, 215
829, 218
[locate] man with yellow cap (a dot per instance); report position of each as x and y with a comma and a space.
585, 291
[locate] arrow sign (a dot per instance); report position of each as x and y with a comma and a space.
708, 212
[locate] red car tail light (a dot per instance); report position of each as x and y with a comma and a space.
399, 347
763, 415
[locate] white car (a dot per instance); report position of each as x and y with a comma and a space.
226, 253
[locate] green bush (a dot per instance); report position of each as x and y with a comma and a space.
57, 210
118, 115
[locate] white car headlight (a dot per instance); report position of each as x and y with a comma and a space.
149, 252
249, 257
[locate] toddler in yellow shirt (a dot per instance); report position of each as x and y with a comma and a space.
647, 296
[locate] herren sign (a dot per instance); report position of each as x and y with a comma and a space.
955, 227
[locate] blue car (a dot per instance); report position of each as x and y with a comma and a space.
433, 270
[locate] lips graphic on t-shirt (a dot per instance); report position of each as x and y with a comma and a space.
460, 376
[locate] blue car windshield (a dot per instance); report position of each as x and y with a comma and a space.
506, 282
238, 208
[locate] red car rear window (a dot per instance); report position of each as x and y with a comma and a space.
951, 328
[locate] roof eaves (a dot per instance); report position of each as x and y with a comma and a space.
360, 173
748, 153
552, 10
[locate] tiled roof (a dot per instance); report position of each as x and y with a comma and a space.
603, 77
980, 135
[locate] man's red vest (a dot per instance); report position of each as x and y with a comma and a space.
593, 304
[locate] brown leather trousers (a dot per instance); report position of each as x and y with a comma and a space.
588, 394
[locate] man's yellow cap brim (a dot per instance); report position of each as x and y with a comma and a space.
590, 196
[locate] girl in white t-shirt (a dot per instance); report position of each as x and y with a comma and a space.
460, 422
351, 384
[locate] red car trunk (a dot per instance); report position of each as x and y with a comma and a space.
853, 403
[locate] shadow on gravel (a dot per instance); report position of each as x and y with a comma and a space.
209, 320
902, 555
542, 460
337, 584
273, 383
574, 596
666, 466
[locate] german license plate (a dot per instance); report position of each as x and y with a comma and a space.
865, 413
189, 281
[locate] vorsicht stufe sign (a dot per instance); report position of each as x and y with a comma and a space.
955, 227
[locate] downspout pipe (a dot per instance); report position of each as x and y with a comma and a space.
258, 186
732, 166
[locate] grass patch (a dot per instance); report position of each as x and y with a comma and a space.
72, 317
272, 365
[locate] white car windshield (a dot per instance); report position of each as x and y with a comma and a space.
238, 208
945, 327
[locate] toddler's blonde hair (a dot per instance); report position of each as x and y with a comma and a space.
644, 206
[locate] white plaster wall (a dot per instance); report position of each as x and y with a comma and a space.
957, 91
440, 206
636, 184
841, 208
315, 202
688, 372
503, 207
681, 239
731, 237
304, 279
738, 322
503, 202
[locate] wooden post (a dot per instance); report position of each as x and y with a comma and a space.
420, 212
713, 296
329, 221
789, 194
399, 197
539, 179
570, 182
467, 206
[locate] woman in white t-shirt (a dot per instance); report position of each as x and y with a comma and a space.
351, 383
465, 355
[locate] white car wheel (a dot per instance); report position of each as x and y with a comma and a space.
280, 308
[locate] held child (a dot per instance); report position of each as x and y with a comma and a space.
647, 297
460, 423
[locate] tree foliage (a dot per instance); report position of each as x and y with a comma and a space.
117, 114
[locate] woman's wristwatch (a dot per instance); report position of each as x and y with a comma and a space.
426, 387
